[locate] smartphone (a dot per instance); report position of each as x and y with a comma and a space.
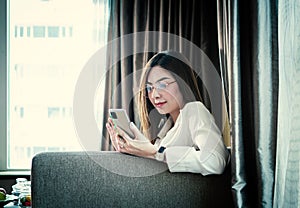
121, 120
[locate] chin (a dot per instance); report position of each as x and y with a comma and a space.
161, 111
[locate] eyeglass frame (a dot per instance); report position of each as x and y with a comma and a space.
157, 87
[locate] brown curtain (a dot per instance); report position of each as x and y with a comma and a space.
140, 28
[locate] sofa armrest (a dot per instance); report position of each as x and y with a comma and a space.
112, 179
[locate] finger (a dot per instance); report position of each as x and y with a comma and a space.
122, 145
113, 136
110, 121
115, 144
112, 133
110, 126
113, 130
120, 141
107, 126
125, 148
121, 138
109, 129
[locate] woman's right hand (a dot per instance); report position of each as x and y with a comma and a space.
139, 145
113, 134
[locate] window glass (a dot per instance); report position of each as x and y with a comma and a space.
39, 31
49, 42
53, 31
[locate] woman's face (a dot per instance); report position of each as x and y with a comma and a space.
163, 92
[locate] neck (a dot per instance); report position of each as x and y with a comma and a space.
174, 115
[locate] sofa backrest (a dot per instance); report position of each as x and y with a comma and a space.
111, 179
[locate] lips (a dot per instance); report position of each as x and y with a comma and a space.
160, 104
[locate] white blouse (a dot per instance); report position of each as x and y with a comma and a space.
195, 144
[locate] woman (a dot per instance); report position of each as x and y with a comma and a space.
187, 138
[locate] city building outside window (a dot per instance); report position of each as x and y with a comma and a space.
48, 44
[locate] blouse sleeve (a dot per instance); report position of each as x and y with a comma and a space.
212, 155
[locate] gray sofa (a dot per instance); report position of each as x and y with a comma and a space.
112, 179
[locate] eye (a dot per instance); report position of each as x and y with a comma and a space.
149, 88
162, 85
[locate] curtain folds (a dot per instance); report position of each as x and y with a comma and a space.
251, 61
175, 25
287, 183
254, 48
259, 52
229, 52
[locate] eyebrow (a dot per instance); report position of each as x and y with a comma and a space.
161, 79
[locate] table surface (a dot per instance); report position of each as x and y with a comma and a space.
11, 205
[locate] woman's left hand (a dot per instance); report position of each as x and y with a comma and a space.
139, 145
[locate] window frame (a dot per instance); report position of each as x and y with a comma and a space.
3, 85
3, 94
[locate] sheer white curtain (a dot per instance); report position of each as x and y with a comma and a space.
287, 185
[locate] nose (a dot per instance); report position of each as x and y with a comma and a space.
155, 93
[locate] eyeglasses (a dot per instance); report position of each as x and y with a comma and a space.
158, 86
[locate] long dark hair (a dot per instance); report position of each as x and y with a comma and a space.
185, 77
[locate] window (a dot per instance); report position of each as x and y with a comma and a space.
43, 57
21, 31
53, 32
28, 31
39, 31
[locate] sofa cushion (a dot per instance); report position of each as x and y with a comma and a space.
112, 179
